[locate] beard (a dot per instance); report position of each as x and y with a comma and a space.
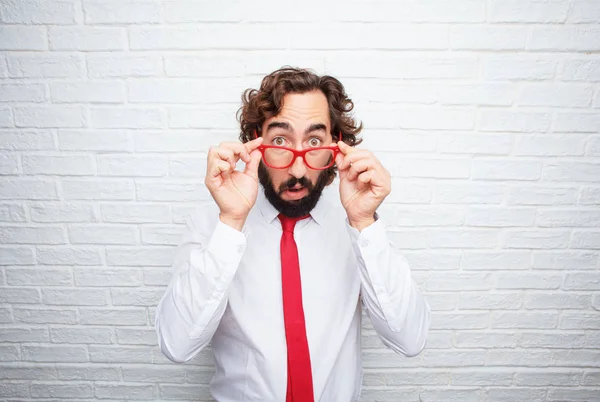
293, 208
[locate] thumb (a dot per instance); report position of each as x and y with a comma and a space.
252, 166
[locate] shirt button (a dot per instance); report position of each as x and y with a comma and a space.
240, 249
365, 243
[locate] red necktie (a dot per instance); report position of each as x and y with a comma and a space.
300, 385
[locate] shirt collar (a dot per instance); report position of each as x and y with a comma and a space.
269, 212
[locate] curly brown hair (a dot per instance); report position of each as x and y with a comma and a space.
264, 103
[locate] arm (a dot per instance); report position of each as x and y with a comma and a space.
399, 312
191, 308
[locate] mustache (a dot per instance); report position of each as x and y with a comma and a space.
303, 181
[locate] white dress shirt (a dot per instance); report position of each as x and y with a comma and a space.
226, 290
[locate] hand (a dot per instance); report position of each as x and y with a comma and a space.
234, 191
364, 184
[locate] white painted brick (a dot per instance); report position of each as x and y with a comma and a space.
27, 372
140, 256
498, 67
205, 65
3, 67
140, 166
113, 354
550, 340
179, 140
401, 377
207, 36
581, 70
570, 260
590, 195
20, 37
81, 335
442, 301
568, 218
180, 391
408, 142
122, 12
482, 144
12, 213
407, 67
135, 213
571, 171
88, 92
105, 65
577, 320
171, 191
94, 373
461, 394
562, 394
553, 11
547, 377
206, 118
468, 193
409, 239
102, 189
69, 256
520, 280
428, 216
500, 217
102, 277
484, 377
184, 166
75, 297
121, 316
490, 301
492, 260
421, 118
9, 164
524, 320
538, 195
407, 192
55, 354
487, 339
562, 300
365, 36
6, 117
479, 238
509, 121
95, 140
173, 374
20, 296
26, 140
550, 145
558, 95
591, 378
189, 11
161, 235
129, 117
473, 37
87, 38
157, 276
39, 277
16, 256
443, 281
50, 116
22, 93
576, 122
575, 358
535, 239
584, 11
135, 336
182, 91
506, 169
39, 12
564, 38
259, 63
15, 390
58, 165
45, 315
5, 315
487, 94
45, 65
585, 239
441, 11
450, 168
379, 394
458, 358
32, 235
593, 146
103, 234
61, 212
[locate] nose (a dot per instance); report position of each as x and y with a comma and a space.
298, 168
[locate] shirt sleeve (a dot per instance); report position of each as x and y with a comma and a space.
399, 312
205, 264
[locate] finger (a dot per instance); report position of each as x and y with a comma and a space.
358, 167
354, 156
252, 145
218, 168
238, 149
367, 177
252, 167
228, 155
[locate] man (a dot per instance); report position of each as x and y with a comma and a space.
274, 276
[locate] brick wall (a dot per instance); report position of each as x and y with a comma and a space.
487, 113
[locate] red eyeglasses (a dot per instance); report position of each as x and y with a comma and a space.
317, 158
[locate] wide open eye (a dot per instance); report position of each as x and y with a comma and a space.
279, 141
314, 142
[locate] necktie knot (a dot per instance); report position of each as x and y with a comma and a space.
288, 224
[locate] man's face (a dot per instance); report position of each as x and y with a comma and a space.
303, 122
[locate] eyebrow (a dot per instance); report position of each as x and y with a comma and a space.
286, 126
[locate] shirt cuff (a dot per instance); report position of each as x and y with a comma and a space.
227, 243
371, 239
